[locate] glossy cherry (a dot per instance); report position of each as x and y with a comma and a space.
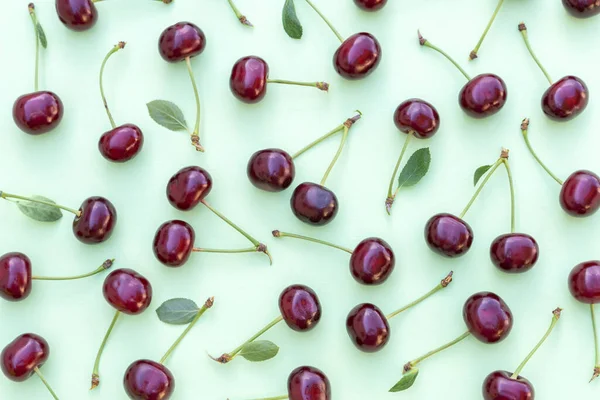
148, 380
514, 252
368, 328
173, 243
15, 276
500, 386
488, 317
584, 282
580, 194
582, 8
370, 5
22, 356
357, 57
97, 220
188, 187
127, 291
248, 80
565, 99
483, 96
122, 143
182, 40
308, 383
300, 307
418, 117
77, 15
37, 113
448, 235
272, 170
314, 204
372, 261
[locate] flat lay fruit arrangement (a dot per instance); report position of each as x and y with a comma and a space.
299, 199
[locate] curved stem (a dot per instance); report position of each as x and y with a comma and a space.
7, 196
512, 195
96, 371
45, 382
316, 142
37, 45
337, 155
596, 346
444, 283
324, 86
487, 29
485, 180
196, 133
555, 318
341, 39
224, 251
425, 42
280, 234
439, 349
524, 131
242, 18
390, 196
523, 30
208, 304
106, 265
116, 48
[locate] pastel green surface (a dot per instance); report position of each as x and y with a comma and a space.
65, 165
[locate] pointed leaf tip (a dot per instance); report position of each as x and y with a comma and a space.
479, 172
177, 311
291, 23
167, 114
406, 382
416, 168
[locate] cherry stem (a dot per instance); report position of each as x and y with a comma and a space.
96, 371
196, 133
555, 318
425, 42
525, 132
119, 46
512, 194
597, 349
257, 245
390, 197
413, 363
337, 155
280, 234
208, 304
106, 265
242, 18
485, 32
224, 251
523, 29
45, 382
7, 196
35, 22
341, 39
481, 186
444, 283
316, 142
324, 86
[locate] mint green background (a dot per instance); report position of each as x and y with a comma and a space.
65, 165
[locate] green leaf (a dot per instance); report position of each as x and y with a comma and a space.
479, 172
416, 168
38, 211
167, 114
177, 311
41, 35
260, 350
291, 23
407, 381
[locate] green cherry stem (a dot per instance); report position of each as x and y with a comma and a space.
481, 186
45, 382
119, 46
8, 196
224, 251
279, 234
337, 155
444, 283
35, 22
525, 132
512, 194
341, 39
555, 318
106, 265
242, 18
208, 304
96, 371
390, 197
196, 134
324, 86
426, 43
596, 346
410, 365
473, 54
523, 30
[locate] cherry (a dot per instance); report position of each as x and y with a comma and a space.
488, 317
148, 380
314, 204
473, 54
358, 56
308, 383
96, 220
271, 170
370, 5
368, 328
584, 282
173, 243
582, 8
448, 235
514, 252
77, 15
188, 187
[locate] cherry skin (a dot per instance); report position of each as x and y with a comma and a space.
483, 96
121, 143
308, 383
514, 252
38, 113
582, 8
368, 328
372, 261
300, 307
97, 221
148, 380
584, 282
127, 291
580, 194
272, 170
448, 236
15, 276
500, 386
248, 80
370, 5
180, 41
173, 243
488, 317
21, 356
188, 187
357, 57
77, 15
418, 117
566, 98
314, 204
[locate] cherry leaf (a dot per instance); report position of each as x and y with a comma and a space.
416, 168
479, 172
291, 23
167, 114
260, 350
407, 381
177, 311
38, 211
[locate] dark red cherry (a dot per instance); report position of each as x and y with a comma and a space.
21, 356
566, 98
15, 276
358, 56
97, 221
180, 41
580, 194
272, 170
308, 383
582, 8
248, 80
148, 380
483, 96
488, 317
77, 15
368, 328
372, 261
500, 386
370, 5
37, 113
188, 187
122, 143
584, 282
417, 116
514, 252
314, 204
448, 235
300, 307
173, 243
127, 291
